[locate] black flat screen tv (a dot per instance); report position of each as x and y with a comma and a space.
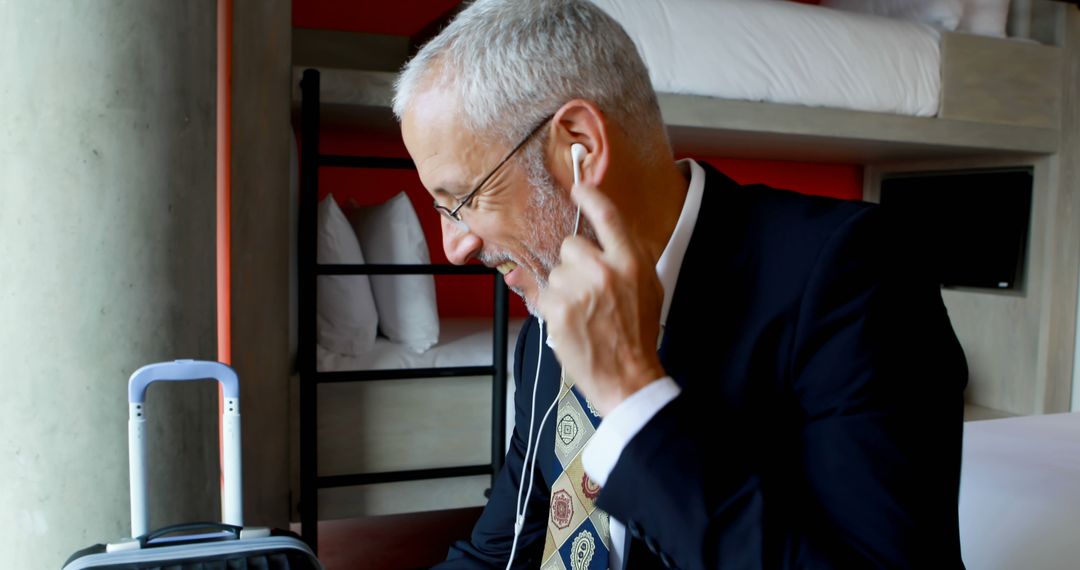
971, 226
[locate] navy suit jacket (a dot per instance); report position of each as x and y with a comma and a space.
820, 419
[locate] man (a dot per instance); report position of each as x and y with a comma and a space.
804, 407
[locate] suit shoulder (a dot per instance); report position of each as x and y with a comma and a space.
763, 216
776, 207
787, 225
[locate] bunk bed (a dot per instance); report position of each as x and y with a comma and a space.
994, 96
987, 98
323, 373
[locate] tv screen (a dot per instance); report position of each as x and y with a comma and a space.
971, 226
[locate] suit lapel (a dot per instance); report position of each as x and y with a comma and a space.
546, 393
711, 250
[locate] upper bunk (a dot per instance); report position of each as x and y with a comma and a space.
980, 96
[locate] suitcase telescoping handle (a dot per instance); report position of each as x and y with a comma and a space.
182, 370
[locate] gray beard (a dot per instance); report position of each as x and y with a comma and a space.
551, 217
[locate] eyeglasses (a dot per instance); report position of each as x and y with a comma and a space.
455, 215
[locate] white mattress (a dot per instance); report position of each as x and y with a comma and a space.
1020, 493
785, 52
462, 342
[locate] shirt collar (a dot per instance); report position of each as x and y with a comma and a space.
671, 260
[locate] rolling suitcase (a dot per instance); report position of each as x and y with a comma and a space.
225, 546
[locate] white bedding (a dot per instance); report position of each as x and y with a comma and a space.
785, 52
1020, 493
462, 342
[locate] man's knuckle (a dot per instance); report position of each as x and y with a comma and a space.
606, 277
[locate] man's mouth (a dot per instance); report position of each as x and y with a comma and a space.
507, 267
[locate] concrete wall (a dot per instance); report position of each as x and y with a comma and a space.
107, 249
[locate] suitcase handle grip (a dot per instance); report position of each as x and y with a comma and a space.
161, 536
183, 370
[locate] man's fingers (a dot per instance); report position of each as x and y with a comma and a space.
578, 251
580, 268
604, 217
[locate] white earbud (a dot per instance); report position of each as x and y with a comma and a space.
577, 154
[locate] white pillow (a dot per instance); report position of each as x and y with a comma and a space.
942, 14
346, 316
985, 17
391, 233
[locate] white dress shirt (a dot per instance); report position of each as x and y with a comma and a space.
626, 420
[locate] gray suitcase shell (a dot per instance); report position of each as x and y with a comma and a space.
258, 553
229, 546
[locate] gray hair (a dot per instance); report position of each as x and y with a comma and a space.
514, 62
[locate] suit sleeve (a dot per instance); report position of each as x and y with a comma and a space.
490, 543
860, 470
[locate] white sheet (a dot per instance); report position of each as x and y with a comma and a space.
1020, 493
462, 342
785, 52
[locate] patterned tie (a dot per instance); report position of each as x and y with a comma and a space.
577, 532
578, 535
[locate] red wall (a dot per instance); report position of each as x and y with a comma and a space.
380, 17
836, 180
471, 296
368, 16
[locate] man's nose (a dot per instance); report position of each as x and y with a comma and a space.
459, 244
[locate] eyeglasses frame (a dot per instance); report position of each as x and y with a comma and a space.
454, 215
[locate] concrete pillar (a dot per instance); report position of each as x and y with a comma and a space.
106, 263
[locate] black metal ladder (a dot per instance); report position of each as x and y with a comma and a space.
310, 377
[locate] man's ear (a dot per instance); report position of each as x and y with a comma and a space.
579, 121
